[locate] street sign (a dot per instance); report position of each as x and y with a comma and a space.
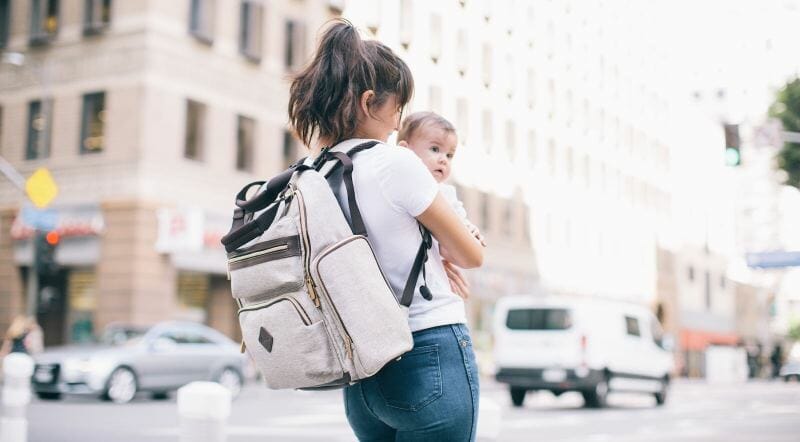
773, 260
41, 188
40, 219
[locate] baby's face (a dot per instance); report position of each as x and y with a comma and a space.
436, 148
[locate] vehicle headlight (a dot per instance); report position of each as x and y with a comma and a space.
76, 369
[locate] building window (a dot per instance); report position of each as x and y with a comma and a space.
406, 23
532, 148
690, 273
192, 294
44, 21
508, 222
462, 119
531, 88
722, 282
39, 124
201, 20
245, 140
551, 156
487, 65
93, 123
435, 99
96, 16
708, 290
251, 30
511, 139
436, 37
195, 124
5, 21
290, 150
487, 130
295, 44
462, 52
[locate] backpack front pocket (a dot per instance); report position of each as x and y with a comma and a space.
362, 300
290, 350
280, 259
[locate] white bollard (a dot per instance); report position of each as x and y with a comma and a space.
204, 408
489, 420
17, 371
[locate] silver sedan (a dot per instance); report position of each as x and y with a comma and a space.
128, 360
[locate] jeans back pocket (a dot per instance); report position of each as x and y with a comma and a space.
412, 382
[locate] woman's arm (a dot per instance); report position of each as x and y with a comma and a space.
444, 224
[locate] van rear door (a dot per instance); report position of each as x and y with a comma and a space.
539, 337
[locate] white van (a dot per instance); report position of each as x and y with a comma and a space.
571, 344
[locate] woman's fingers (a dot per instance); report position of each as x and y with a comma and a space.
457, 280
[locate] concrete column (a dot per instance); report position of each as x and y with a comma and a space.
12, 300
135, 284
17, 371
204, 408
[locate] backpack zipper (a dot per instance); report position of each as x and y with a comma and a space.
298, 308
312, 292
279, 248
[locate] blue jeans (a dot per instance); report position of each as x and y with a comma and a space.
430, 394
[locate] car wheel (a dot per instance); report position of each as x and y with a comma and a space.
597, 397
518, 396
122, 386
661, 396
48, 396
231, 379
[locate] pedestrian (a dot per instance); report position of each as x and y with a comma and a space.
23, 336
354, 91
776, 358
434, 140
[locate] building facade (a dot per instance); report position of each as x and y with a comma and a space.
150, 116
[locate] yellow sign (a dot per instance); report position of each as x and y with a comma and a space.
41, 188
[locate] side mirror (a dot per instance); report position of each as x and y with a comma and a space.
162, 345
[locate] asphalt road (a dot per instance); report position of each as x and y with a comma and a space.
696, 411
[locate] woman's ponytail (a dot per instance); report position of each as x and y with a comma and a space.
324, 97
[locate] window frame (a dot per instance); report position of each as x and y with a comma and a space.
251, 20
198, 130
89, 99
93, 25
245, 155
629, 330
198, 11
40, 14
42, 148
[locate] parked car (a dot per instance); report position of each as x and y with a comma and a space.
594, 347
128, 360
790, 371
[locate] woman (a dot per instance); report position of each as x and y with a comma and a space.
23, 336
352, 91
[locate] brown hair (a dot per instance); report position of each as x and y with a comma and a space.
417, 120
324, 97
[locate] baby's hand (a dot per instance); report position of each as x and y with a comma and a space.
475, 232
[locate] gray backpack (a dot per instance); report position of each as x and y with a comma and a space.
315, 310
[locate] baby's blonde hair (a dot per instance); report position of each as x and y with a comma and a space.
414, 122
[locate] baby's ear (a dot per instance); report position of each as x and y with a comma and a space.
402, 143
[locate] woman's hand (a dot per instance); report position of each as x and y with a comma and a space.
458, 283
462, 248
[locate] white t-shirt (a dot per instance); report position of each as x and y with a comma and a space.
392, 188
449, 193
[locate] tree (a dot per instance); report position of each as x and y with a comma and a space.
787, 109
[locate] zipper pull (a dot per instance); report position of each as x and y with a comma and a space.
348, 347
311, 292
241, 349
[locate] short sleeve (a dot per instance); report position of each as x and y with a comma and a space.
405, 182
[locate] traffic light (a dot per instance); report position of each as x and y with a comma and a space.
46, 244
733, 156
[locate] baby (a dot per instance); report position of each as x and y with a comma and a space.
433, 139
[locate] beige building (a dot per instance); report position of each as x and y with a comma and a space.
150, 115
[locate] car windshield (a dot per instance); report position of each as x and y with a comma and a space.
119, 336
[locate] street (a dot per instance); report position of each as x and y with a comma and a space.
696, 411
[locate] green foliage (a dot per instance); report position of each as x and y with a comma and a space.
787, 109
